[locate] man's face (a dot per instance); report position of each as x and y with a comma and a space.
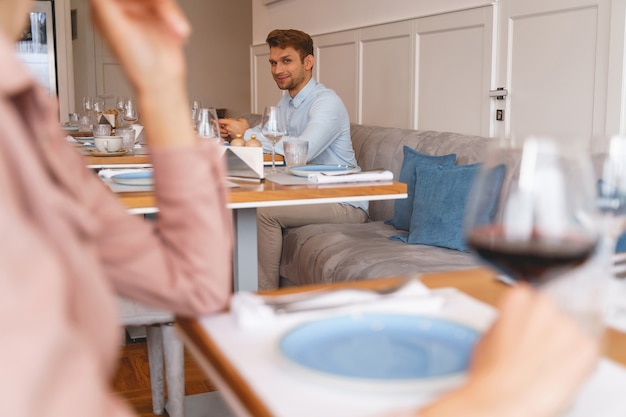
288, 70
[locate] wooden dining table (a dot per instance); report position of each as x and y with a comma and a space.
479, 283
246, 196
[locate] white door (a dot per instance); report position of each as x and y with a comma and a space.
554, 62
455, 70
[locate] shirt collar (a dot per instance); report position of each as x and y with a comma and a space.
304, 93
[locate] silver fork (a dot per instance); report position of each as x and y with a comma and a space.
282, 303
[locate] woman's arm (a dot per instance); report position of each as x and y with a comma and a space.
531, 362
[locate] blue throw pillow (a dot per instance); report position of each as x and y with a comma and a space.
621, 243
439, 204
403, 208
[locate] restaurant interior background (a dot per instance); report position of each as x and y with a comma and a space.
428, 65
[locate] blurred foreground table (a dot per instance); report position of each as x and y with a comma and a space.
245, 401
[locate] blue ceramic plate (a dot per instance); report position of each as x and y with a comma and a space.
133, 178
305, 170
394, 350
87, 140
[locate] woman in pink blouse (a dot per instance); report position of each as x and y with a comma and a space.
68, 246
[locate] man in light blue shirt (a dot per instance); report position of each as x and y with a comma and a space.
313, 113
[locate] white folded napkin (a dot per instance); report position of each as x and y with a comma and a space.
358, 177
249, 309
108, 173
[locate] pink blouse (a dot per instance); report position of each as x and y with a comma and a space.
69, 246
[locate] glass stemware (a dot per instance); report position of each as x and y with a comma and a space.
273, 128
542, 227
119, 107
129, 116
196, 105
208, 124
545, 222
611, 189
611, 201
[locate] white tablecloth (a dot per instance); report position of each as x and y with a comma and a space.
287, 392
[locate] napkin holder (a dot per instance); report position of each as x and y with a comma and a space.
244, 162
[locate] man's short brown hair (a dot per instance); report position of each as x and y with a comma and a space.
297, 39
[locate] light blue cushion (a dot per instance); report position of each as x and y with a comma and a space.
439, 204
403, 208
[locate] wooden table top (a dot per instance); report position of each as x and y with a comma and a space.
268, 193
479, 283
143, 160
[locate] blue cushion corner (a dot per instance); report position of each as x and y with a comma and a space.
403, 209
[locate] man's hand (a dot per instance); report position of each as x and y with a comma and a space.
233, 127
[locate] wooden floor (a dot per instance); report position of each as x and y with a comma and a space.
132, 380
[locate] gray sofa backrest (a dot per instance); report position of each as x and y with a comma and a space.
382, 147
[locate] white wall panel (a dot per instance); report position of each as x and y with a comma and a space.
553, 74
455, 62
265, 91
337, 67
387, 65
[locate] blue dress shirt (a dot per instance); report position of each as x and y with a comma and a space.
317, 115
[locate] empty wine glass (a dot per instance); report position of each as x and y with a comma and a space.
98, 108
273, 128
208, 125
611, 201
196, 105
119, 107
129, 116
542, 224
611, 189
87, 106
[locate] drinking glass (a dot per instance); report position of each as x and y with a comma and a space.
119, 106
273, 128
129, 116
611, 201
196, 105
545, 222
208, 125
542, 224
98, 108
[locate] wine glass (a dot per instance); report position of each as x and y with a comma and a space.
273, 128
129, 116
196, 105
544, 222
611, 201
541, 227
208, 124
119, 106
98, 108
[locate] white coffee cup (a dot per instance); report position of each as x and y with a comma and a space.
108, 144
296, 151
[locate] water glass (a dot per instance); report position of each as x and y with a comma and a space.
102, 129
128, 138
295, 152
84, 123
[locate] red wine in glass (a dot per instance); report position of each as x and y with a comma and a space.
536, 259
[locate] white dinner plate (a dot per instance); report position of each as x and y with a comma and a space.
133, 178
391, 352
306, 170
